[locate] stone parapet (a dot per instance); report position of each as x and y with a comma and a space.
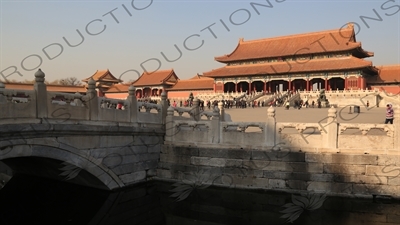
325, 136
40, 103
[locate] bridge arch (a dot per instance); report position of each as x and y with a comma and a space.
16, 156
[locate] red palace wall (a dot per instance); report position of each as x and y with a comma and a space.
390, 89
219, 87
185, 94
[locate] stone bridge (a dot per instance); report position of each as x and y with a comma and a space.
79, 138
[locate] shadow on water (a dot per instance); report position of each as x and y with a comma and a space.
32, 200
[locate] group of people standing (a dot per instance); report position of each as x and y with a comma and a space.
298, 104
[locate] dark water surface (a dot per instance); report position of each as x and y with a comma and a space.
33, 200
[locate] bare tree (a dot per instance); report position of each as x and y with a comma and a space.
70, 81
129, 82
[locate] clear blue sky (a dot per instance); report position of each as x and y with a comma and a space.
27, 27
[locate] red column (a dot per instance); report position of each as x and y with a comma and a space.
236, 87
329, 86
345, 83
361, 80
223, 86
265, 87
269, 87
308, 85
326, 84
290, 85
215, 87
249, 87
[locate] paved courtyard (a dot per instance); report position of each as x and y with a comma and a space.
308, 115
304, 115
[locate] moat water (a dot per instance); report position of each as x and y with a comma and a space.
33, 200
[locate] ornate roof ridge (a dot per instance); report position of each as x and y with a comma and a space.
336, 40
293, 35
102, 73
343, 63
294, 62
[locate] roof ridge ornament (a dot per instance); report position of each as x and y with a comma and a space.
350, 25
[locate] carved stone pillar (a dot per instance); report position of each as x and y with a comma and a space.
164, 105
133, 104
270, 128
331, 129
221, 111
41, 94
169, 126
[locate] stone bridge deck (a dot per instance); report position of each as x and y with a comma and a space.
80, 140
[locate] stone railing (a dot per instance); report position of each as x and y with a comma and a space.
344, 98
194, 112
391, 98
255, 96
346, 93
329, 136
40, 103
358, 91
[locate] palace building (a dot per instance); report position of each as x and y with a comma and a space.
153, 84
388, 79
196, 85
329, 60
104, 80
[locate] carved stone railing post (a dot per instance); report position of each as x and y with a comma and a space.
215, 129
77, 100
133, 104
3, 98
196, 109
270, 127
331, 128
91, 100
164, 105
221, 111
41, 95
169, 125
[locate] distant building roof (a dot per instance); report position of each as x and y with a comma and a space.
336, 40
160, 77
53, 88
387, 74
118, 88
103, 75
197, 82
328, 64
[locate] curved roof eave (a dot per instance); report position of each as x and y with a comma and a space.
221, 58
